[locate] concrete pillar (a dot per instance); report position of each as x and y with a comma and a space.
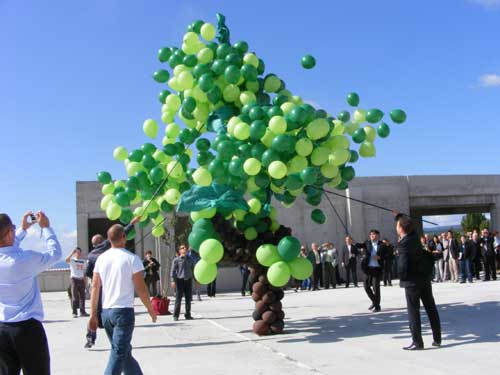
495, 214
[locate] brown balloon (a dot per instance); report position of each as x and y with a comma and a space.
261, 307
277, 326
276, 306
269, 297
261, 328
269, 317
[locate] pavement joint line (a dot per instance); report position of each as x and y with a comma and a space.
267, 347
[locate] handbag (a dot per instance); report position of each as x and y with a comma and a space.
160, 305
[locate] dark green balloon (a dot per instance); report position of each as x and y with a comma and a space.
284, 143
309, 175
223, 50
249, 72
344, 116
218, 66
142, 178
241, 47
250, 219
170, 149
203, 144
232, 74
342, 186
257, 130
398, 116
308, 62
216, 168
262, 180
354, 156
262, 67
214, 95
245, 151
274, 111
374, 115
201, 69
166, 207
258, 149
148, 161
131, 234
174, 60
256, 113
226, 150
190, 60
161, 76
359, 135
320, 113
293, 182
119, 189
163, 95
189, 104
383, 130
157, 174
132, 193
122, 199
234, 59
197, 237
164, 54
353, 99
133, 183
203, 224
136, 155
184, 160
298, 115
104, 177
126, 216
347, 173
318, 216
206, 82
269, 156
236, 167
148, 148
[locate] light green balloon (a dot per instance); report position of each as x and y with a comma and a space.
279, 274
158, 231
277, 124
150, 128
367, 150
152, 206
297, 164
287, 107
239, 214
277, 169
339, 157
272, 84
241, 131
113, 211
174, 170
319, 156
207, 31
317, 129
120, 183
231, 93
108, 189
173, 102
329, 170
205, 272
202, 177
211, 251
172, 196
267, 255
247, 97
206, 213
250, 233
251, 59
301, 268
252, 166
133, 167
205, 55
304, 146
339, 141
106, 200
359, 116
185, 80
172, 130
120, 153
351, 127
254, 205
371, 133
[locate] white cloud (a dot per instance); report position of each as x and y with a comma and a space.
443, 220
488, 4
33, 241
489, 80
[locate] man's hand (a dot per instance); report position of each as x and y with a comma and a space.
152, 314
25, 223
42, 219
173, 285
93, 323
135, 220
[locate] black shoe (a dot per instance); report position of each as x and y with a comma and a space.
88, 345
347, 286
84, 314
436, 344
356, 286
371, 307
189, 317
75, 315
390, 284
413, 347
176, 318
377, 309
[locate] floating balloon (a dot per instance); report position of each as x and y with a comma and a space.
150, 128
120, 153
398, 116
308, 62
318, 216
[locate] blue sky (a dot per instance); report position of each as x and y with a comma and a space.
76, 81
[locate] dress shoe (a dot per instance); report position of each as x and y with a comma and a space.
371, 307
413, 347
189, 317
377, 309
84, 314
436, 344
176, 318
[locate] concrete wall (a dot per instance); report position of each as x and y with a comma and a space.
56, 280
418, 195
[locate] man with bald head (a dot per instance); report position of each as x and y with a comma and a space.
99, 246
117, 273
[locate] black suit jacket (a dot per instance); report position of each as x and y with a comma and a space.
476, 249
487, 246
345, 253
454, 248
410, 250
367, 250
466, 250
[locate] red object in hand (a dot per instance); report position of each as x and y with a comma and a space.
160, 305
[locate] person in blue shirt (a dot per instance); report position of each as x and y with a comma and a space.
23, 343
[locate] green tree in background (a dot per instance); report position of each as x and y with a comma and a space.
474, 220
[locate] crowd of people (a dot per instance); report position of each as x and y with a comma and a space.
117, 275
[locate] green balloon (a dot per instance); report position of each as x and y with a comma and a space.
205, 272
317, 129
374, 115
197, 236
257, 130
214, 95
249, 72
190, 61
161, 76
398, 116
150, 128
289, 248
206, 82
216, 168
157, 174
308, 62
113, 211
353, 99
164, 54
359, 136
272, 83
211, 251
267, 255
148, 148
104, 177
204, 224
347, 173
367, 150
320, 155
383, 130
318, 216
344, 116
262, 180
278, 274
241, 46
283, 143
309, 175
122, 199
301, 268
148, 162
236, 167
131, 234
354, 156
293, 182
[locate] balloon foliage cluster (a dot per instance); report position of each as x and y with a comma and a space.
266, 143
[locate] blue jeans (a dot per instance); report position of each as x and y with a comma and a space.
306, 284
119, 325
465, 268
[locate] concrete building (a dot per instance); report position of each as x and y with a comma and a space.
417, 195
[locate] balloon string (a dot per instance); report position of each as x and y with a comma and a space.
338, 216
373, 205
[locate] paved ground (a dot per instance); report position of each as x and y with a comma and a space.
329, 331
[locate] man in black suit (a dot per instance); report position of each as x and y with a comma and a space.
465, 258
453, 251
372, 265
349, 261
488, 254
388, 260
476, 255
415, 273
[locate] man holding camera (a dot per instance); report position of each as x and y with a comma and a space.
78, 281
23, 343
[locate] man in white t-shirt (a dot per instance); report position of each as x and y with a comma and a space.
119, 272
78, 281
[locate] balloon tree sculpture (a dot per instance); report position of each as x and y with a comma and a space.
267, 144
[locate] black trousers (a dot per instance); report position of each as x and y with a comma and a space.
351, 272
329, 275
413, 297
78, 295
183, 288
151, 283
212, 288
244, 281
388, 272
317, 278
372, 285
476, 268
23, 345
490, 271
